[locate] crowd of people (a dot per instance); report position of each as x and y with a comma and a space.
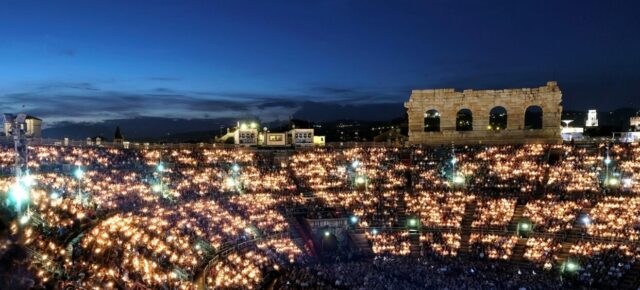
113, 218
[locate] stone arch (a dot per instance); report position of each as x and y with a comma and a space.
464, 120
432, 121
498, 118
533, 118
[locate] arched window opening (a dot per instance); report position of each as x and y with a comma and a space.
464, 120
533, 118
497, 119
432, 121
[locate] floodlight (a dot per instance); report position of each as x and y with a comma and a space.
230, 182
28, 180
354, 219
18, 193
327, 233
24, 219
458, 179
571, 266
374, 232
78, 173
586, 220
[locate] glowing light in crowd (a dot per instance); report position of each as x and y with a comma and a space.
160, 167
18, 194
156, 188
613, 181
627, 182
354, 219
458, 179
230, 182
28, 180
454, 160
571, 266
413, 222
327, 233
78, 173
235, 168
607, 160
374, 232
360, 180
586, 220
355, 164
24, 219
55, 195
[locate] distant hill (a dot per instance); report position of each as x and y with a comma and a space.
322, 112
138, 128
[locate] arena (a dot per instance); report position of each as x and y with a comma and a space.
472, 217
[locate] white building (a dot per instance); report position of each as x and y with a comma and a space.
634, 122
33, 127
301, 137
275, 139
592, 119
246, 137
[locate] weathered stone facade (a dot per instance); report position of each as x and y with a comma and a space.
448, 103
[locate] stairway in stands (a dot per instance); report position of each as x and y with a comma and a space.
517, 217
467, 220
631, 279
518, 251
574, 235
301, 235
359, 240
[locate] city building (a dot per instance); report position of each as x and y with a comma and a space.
33, 127
319, 140
592, 119
634, 123
275, 139
300, 137
246, 137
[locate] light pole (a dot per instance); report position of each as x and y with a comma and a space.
78, 173
160, 170
607, 161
